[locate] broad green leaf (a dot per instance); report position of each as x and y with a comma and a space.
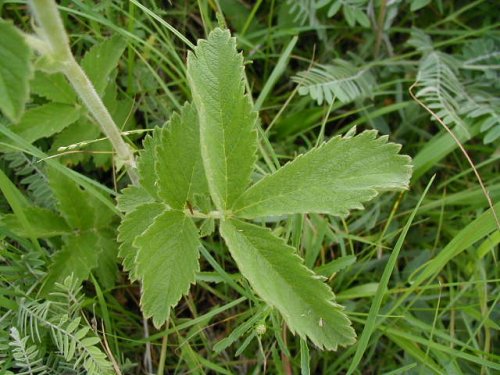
46, 120
43, 223
78, 257
179, 167
227, 121
167, 262
100, 61
81, 209
280, 278
15, 71
53, 87
334, 178
133, 225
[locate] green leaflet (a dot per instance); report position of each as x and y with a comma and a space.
81, 210
46, 120
227, 121
43, 223
167, 262
133, 225
101, 60
107, 267
78, 257
279, 277
53, 87
89, 238
178, 165
334, 178
15, 71
146, 165
133, 197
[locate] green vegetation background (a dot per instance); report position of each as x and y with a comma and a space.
316, 68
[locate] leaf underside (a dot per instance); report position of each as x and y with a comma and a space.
279, 277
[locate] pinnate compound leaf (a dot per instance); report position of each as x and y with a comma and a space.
15, 71
179, 167
132, 226
334, 178
166, 263
280, 278
227, 120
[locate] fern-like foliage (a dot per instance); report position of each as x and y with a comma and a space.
440, 87
27, 359
354, 11
33, 176
341, 81
453, 89
304, 12
58, 324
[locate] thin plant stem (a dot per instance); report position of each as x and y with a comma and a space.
462, 148
163, 353
51, 31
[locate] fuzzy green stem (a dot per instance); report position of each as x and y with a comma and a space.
94, 104
51, 30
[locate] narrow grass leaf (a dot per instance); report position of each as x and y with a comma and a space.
384, 281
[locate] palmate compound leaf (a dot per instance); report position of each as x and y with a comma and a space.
89, 245
332, 179
167, 262
227, 120
171, 171
279, 277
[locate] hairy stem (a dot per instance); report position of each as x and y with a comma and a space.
51, 30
